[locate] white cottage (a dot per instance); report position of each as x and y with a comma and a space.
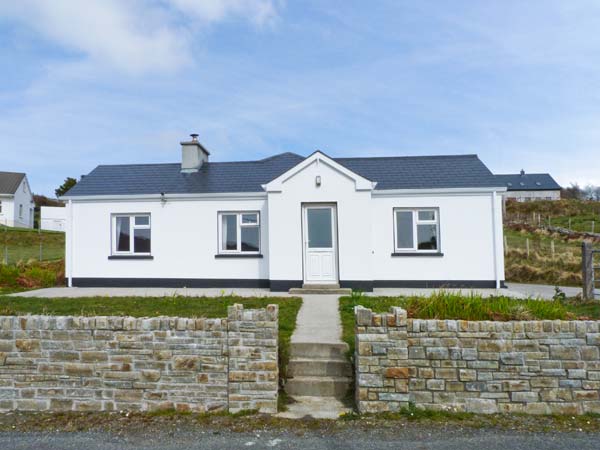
16, 200
287, 221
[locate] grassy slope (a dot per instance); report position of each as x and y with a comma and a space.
557, 213
209, 307
453, 306
563, 268
24, 244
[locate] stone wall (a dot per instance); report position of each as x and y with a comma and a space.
537, 367
53, 363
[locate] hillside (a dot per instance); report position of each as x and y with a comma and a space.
21, 245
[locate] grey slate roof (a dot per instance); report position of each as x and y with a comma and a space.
418, 172
528, 182
10, 181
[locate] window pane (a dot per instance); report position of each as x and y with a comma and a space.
250, 239
426, 215
427, 236
319, 228
229, 232
404, 229
142, 220
249, 219
122, 233
141, 240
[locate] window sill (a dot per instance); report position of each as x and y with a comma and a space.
131, 257
432, 254
238, 255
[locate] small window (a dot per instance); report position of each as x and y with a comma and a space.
20, 211
416, 230
131, 234
0, 207
239, 232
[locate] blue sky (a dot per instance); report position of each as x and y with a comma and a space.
112, 81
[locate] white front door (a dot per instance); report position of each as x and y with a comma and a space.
320, 234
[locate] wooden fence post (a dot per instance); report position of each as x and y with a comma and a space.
552, 248
527, 246
587, 266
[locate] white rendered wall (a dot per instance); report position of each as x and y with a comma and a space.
53, 218
184, 240
7, 216
10, 207
533, 195
354, 223
466, 239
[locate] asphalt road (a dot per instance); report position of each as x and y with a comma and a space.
414, 439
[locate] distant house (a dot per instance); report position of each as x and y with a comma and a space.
53, 218
16, 200
287, 221
526, 187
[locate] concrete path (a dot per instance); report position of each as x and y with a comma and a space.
541, 290
147, 292
318, 320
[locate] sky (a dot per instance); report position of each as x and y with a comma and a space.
124, 81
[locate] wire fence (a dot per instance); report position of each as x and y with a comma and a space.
589, 223
22, 245
544, 247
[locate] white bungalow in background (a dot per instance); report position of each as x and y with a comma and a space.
528, 187
287, 221
16, 200
53, 218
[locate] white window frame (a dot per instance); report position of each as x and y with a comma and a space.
239, 226
416, 222
132, 228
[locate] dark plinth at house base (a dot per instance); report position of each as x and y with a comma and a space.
278, 285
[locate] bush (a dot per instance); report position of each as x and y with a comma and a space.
31, 275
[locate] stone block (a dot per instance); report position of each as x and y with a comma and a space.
397, 372
481, 406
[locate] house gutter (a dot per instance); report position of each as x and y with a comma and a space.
495, 239
154, 197
69, 243
438, 191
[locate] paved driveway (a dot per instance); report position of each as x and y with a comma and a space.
413, 438
541, 290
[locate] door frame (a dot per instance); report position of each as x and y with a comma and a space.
334, 234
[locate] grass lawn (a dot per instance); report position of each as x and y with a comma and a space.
23, 244
209, 307
444, 305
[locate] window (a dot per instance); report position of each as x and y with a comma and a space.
239, 232
20, 211
0, 207
416, 230
131, 234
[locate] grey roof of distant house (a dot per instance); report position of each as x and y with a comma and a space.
528, 182
10, 181
416, 172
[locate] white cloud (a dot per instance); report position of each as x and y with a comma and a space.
131, 36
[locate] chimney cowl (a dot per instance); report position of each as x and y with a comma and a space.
193, 155
522, 172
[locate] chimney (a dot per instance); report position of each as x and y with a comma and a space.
193, 155
522, 172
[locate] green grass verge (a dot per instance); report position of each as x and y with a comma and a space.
445, 305
176, 306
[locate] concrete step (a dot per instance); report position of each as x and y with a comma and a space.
318, 350
318, 386
299, 367
320, 291
315, 407
321, 286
